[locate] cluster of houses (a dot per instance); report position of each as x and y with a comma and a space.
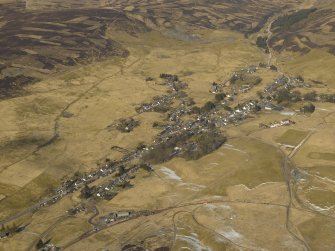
76, 210
245, 88
176, 114
46, 246
158, 104
284, 122
244, 79
239, 113
216, 88
162, 103
250, 69
127, 124
121, 215
286, 83
115, 216
80, 181
268, 106
106, 190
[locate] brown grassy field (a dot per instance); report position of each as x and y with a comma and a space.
237, 197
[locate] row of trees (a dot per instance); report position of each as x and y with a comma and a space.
285, 95
186, 145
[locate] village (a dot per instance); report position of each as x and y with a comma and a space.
188, 132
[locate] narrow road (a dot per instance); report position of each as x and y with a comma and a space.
96, 213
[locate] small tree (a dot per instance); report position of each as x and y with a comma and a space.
227, 108
283, 95
273, 68
146, 167
86, 192
300, 78
262, 42
309, 108
122, 170
296, 96
195, 110
39, 244
220, 96
310, 96
208, 106
260, 94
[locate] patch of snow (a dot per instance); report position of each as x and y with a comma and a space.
243, 187
234, 149
320, 209
194, 242
325, 179
266, 183
232, 235
194, 234
170, 174
288, 113
212, 207
194, 187
229, 145
323, 109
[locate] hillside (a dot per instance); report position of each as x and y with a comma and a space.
244, 16
34, 45
141, 125
305, 29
